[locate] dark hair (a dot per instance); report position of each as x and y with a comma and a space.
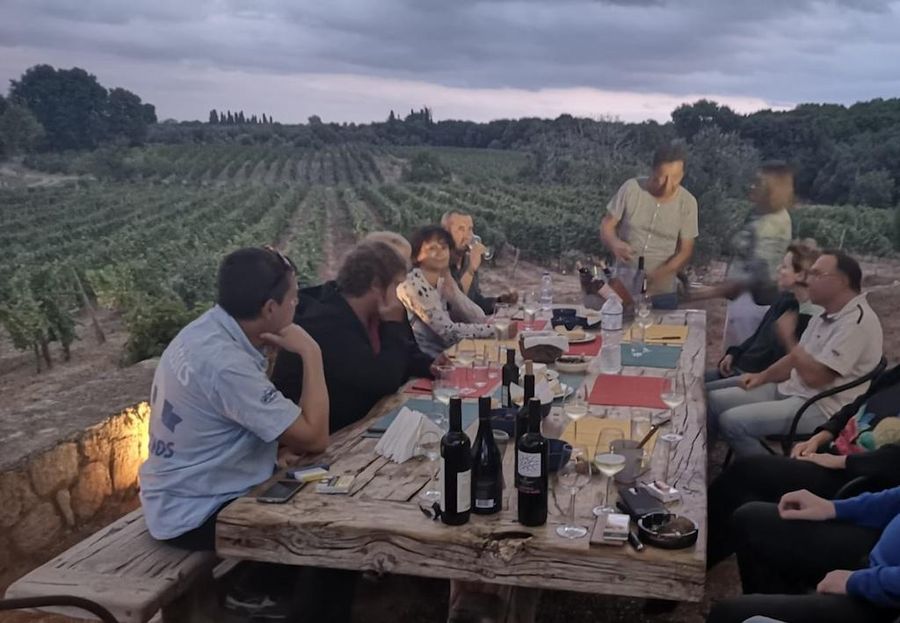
669, 152
848, 267
367, 264
249, 277
427, 234
804, 254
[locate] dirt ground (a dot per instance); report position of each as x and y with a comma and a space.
402, 598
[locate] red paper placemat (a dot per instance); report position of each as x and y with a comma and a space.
462, 378
588, 349
536, 325
628, 391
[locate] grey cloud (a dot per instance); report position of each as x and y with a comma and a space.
774, 49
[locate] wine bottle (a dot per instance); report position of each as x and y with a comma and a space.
487, 465
531, 468
510, 374
521, 424
641, 278
456, 470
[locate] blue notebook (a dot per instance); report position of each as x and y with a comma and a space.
429, 408
659, 356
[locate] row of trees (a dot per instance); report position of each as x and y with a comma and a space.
238, 118
58, 109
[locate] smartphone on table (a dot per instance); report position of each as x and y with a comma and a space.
280, 492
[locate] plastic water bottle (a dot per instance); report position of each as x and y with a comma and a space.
546, 292
611, 333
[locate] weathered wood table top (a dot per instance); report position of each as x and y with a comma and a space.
380, 526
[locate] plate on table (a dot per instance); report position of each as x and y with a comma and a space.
586, 338
572, 364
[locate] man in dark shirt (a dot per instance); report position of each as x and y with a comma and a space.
765, 478
361, 328
466, 260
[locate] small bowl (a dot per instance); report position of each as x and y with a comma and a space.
667, 530
572, 364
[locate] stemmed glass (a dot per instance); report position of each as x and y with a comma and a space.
465, 357
530, 305
644, 321
501, 320
609, 463
429, 446
672, 395
488, 252
442, 390
572, 477
577, 407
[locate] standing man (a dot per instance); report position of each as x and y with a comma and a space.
655, 218
466, 260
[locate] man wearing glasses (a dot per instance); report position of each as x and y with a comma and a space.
839, 345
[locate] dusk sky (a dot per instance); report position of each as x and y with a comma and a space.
354, 60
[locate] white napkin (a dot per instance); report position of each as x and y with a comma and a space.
399, 442
542, 391
551, 338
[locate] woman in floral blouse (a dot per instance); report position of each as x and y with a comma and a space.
440, 314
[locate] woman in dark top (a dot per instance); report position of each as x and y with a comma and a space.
763, 348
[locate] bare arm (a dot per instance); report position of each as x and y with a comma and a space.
671, 266
812, 372
621, 249
309, 432
778, 371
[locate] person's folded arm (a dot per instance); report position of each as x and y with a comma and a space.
430, 309
778, 371
881, 464
879, 585
869, 510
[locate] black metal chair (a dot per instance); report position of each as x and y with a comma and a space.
787, 441
30, 603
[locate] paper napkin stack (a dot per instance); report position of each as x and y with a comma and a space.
401, 439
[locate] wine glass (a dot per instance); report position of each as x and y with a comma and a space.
492, 360
672, 393
442, 390
671, 440
488, 252
465, 357
481, 369
572, 477
609, 463
429, 446
530, 305
577, 407
644, 321
501, 320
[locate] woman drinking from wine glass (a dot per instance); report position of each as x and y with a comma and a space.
440, 314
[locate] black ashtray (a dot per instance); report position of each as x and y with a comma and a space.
568, 317
667, 530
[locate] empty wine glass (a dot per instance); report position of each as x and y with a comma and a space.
466, 353
609, 463
429, 446
671, 440
530, 305
644, 321
442, 390
487, 253
572, 477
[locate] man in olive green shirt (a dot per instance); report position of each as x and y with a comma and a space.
654, 218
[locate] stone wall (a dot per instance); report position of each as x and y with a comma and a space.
56, 497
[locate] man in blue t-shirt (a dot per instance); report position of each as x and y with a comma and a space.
216, 420
847, 550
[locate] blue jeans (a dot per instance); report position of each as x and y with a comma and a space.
744, 417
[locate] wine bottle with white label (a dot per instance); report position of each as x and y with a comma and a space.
521, 423
531, 469
510, 374
456, 470
487, 465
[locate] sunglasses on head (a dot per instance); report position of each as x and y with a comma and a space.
286, 263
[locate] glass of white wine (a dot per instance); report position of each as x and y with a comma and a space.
608, 463
466, 353
488, 252
672, 395
572, 477
429, 446
501, 320
577, 407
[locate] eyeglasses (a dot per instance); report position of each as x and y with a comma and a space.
815, 274
287, 264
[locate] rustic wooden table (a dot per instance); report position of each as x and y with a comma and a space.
379, 525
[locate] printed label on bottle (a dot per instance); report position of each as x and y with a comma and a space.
529, 465
484, 493
611, 322
463, 491
485, 503
441, 488
504, 399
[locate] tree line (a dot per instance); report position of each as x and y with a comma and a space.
238, 118
52, 109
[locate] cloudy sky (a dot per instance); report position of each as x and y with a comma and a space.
353, 60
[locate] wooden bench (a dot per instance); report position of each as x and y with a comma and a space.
131, 574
